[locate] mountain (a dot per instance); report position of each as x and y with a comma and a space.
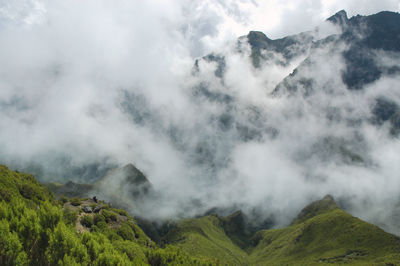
264, 49
339, 89
322, 233
117, 185
366, 40
318, 128
37, 229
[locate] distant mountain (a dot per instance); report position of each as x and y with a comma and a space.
264, 49
119, 186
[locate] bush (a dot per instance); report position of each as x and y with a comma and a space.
109, 216
87, 221
5, 195
126, 232
98, 218
123, 213
63, 199
28, 191
76, 201
70, 216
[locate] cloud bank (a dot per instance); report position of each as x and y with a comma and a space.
87, 86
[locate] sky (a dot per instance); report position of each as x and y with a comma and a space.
102, 84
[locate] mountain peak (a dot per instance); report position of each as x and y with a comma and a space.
258, 39
340, 18
318, 207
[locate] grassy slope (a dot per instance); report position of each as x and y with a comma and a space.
331, 237
205, 237
321, 234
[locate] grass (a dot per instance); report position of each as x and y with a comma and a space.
321, 234
332, 237
205, 237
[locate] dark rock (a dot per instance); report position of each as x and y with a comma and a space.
263, 48
97, 209
340, 18
87, 209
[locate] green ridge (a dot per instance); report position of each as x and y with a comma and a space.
321, 234
331, 237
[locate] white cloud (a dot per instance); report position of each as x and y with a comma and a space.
99, 81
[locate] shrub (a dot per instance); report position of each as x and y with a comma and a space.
5, 194
87, 221
76, 201
28, 191
98, 218
63, 199
70, 216
126, 232
123, 213
109, 216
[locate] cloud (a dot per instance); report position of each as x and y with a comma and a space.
86, 86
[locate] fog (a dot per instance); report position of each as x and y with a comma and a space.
89, 86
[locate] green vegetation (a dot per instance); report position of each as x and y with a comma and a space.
75, 201
331, 237
87, 221
35, 229
321, 234
205, 237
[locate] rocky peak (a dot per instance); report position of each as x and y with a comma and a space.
133, 175
258, 39
340, 18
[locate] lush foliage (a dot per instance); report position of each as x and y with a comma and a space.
37, 230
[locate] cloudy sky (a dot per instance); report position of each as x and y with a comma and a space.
204, 23
108, 83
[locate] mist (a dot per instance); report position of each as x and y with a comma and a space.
89, 86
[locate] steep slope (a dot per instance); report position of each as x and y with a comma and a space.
205, 237
323, 233
361, 39
264, 49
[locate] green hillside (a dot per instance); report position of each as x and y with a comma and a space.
321, 234
329, 235
205, 237
35, 229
